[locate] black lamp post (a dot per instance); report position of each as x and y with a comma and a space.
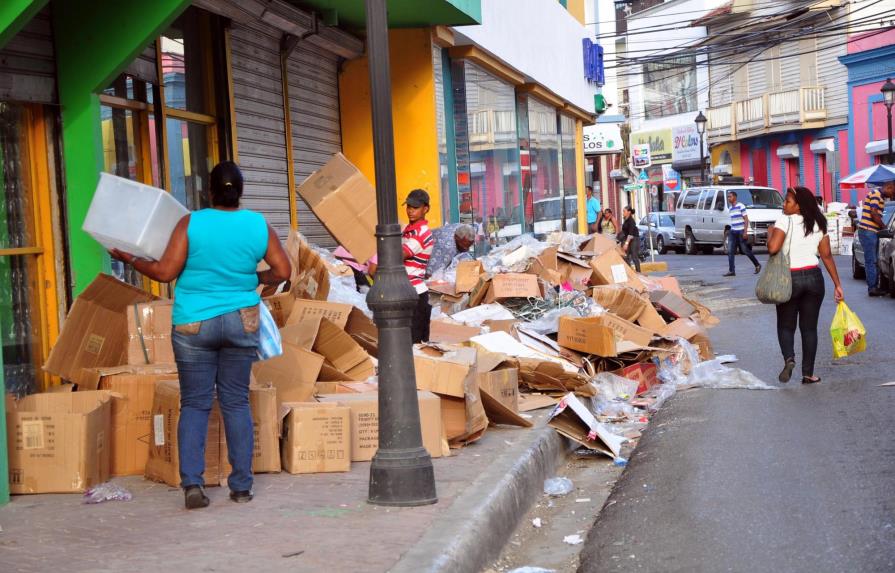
401, 473
888, 91
700, 127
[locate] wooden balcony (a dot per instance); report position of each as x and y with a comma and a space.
722, 123
752, 115
799, 108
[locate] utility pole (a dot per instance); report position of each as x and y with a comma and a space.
401, 473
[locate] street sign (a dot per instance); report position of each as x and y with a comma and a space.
640, 155
643, 176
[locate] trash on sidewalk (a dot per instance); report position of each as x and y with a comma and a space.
107, 491
558, 486
575, 539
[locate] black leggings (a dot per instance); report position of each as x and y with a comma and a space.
803, 307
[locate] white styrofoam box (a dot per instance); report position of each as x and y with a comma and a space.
132, 217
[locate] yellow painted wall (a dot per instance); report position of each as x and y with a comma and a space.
576, 9
413, 109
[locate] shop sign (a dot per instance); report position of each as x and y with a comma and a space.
640, 155
593, 62
671, 179
602, 138
659, 141
685, 144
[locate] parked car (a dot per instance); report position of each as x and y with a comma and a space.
857, 252
702, 218
661, 229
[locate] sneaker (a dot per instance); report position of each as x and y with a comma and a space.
242, 496
757, 269
730, 274
194, 497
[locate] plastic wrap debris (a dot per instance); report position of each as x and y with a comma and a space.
558, 486
536, 522
613, 387
344, 290
575, 539
476, 315
493, 261
548, 323
529, 569
567, 242
529, 310
107, 491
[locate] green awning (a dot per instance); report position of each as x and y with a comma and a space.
401, 13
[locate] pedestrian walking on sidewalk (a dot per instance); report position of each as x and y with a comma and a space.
872, 223
214, 253
803, 231
736, 236
593, 210
631, 239
418, 243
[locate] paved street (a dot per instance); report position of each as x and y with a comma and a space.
799, 479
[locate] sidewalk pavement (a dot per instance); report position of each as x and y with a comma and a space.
318, 522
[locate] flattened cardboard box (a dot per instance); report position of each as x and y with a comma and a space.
572, 419
345, 203
451, 332
164, 462
310, 277
365, 422
621, 301
58, 442
294, 372
304, 309
342, 352
134, 395
95, 332
316, 438
453, 377
610, 268
468, 273
149, 333
280, 307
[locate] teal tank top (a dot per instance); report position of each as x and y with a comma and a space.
220, 272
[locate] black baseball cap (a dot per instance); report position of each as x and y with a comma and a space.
417, 198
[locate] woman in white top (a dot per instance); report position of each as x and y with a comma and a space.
803, 231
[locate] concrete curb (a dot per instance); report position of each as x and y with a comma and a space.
481, 520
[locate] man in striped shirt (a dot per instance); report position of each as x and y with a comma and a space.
418, 242
872, 223
739, 228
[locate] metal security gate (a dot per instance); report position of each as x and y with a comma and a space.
316, 130
28, 63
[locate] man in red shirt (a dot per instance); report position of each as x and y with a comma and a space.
417, 242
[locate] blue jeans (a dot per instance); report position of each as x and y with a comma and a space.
870, 244
216, 354
735, 238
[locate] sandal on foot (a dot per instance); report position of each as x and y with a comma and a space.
786, 373
810, 379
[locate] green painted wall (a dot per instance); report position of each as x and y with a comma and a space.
95, 41
401, 13
14, 14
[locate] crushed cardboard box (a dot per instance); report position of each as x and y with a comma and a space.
149, 333
450, 372
310, 276
58, 442
574, 420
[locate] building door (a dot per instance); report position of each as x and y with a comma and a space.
29, 317
759, 167
792, 172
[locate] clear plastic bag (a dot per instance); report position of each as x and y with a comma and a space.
344, 290
107, 491
548, 323
685, 369
567, 242
493, 261
558, 486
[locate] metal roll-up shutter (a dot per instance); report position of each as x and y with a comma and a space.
316, 130
789, 65
758, 80
28, 63
260, 127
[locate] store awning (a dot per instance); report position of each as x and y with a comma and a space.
878, 147
825, 145
790, 151
401, 13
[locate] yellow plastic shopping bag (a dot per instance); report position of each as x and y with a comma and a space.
847, 332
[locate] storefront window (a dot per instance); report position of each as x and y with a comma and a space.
183, 67
189, 162
448, 195
568, 132
546, 189
487, 154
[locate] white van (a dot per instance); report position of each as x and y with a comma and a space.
702, 217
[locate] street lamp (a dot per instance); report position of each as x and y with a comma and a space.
401, 473
701, 120
888, 91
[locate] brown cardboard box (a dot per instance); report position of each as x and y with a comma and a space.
628, 335
610, 268
574, 420
95, 332
58, 442
345, 203
316, 438
266, 423
501, 384
620, 300
342, 352
481, 289
451, 332
468, 273
294, 372
310, 277
365, 422
690, 330
164, 464
133, 390
574, 271
364, 331
149, 333
280, 307
513, 285
598, 244
546, 266
671, 303
452, 375
304, 309
586, 335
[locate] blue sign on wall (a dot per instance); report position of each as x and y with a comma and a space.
593, 62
